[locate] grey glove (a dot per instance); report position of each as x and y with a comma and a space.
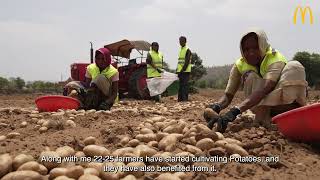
230, 116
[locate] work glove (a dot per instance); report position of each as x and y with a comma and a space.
216, 107
223, 120
159, 70
104, 106
212, 120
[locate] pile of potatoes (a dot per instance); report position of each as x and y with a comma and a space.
155, 137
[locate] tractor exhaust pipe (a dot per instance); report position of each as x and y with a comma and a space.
91, 53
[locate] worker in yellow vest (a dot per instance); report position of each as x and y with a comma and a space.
271, 84
100, 89
154, 63
183, 69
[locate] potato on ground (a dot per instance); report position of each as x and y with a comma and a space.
205, 144
89, 177
21, 159
5, 164
23, 175
95, 150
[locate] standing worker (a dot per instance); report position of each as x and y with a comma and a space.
154, 63
184, 69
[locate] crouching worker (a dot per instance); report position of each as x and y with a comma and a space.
271, 84
100, 89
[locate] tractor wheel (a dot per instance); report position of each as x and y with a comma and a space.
138, 84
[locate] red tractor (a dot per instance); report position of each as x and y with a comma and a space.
132, 75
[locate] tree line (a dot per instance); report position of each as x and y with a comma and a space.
19, 85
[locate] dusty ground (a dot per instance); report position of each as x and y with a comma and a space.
297, 160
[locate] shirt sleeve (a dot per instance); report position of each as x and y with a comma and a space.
234, 81
274, 71
88, 75
115, 77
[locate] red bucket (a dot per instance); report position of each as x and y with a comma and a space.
301, 123
54, 102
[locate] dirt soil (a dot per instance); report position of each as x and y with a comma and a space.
296, 160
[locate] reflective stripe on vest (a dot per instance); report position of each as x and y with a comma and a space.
271, 57
157, 61
181, 59
94, 71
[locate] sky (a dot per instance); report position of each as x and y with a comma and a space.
41, 38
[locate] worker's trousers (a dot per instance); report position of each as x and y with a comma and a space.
183, 86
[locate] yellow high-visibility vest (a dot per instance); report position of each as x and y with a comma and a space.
157, 58
271, 57
181, 59
108, 72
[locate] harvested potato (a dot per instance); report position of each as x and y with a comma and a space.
63, 178
153, 144
129, 177
91, 171
122, 151
175, 128
43, 129
158, 118
193, 149
124, 140
181, 175
89, 177
233, 141
5, 164
23, 175
96, 165
79, 154
161, 135
56, 172
43, 170
167, 176
220, 136
221, 143
236, 149
146, 131
159, 125
23, 124
70, 123
65, 151
31, 165
41, 122
50, 159
89, 140
168, 143
109, 175
2, 138
94, 150
205, 144
190, 140
13, 135
75, 172
21, 159
209, 114
146, 137
144, 150
136, 165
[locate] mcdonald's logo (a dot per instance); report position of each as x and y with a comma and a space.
303, 12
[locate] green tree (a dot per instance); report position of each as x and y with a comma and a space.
197, 71
20, 83
311, 63
3, 83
